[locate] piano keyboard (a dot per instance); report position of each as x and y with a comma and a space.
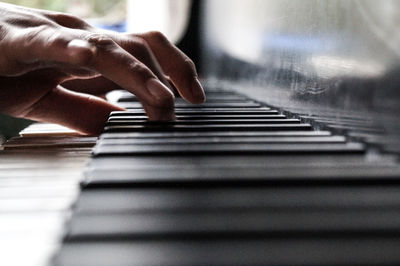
39, 177
231, 182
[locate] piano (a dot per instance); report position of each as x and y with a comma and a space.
293, 159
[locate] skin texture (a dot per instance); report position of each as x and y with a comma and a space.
54, 67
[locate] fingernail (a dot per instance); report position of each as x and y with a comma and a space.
198, 91
158, 90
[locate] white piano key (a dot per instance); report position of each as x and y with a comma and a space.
42, 204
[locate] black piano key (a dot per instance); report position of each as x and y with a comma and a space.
341, 121
348, 128
165, 163
202, 122
205, 111
203, 117
210, 90
296, 251
157, 200
237, 176
215, 163
135, 105
241, 175
216, 148
249, 222
333, 115
210, 98
189, 128
243, 198
213, 134
221, 98
223, 140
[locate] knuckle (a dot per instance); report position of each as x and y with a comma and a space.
141, 47
139, 69
189, 64
100, 40
189, 68
55, 38
157, 36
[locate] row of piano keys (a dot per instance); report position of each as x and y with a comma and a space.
232, 182
40, 173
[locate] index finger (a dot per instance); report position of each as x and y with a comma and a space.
119, 66
177, 66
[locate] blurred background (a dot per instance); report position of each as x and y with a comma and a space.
86, 8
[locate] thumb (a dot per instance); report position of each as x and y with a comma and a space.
85, 113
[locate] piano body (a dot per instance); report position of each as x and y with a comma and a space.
293, 160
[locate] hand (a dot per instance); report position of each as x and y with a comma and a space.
53, 66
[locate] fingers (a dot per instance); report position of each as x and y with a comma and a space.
37, 96
99, 53
177, 66
95, 86
84, 113
119, 66
135, 68
18, 94
68, 44
100, 86
136, 47
141, 50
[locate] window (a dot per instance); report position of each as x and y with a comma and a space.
167, 16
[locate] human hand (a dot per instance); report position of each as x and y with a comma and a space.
53, 65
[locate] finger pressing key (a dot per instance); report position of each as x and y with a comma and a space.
125, 70
99, 53
177, 66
